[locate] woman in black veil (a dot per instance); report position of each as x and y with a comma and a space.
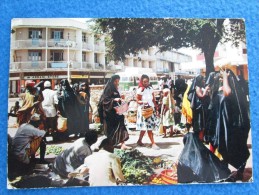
75, 107
113, 124
229, 124
197, 97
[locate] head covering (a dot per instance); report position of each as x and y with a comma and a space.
29, 83
109, 88
144, 76
197, 81
110, 84
47, 84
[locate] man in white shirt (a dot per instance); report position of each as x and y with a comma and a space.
49, 107
104, 166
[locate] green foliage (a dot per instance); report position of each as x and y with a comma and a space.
130, 35
136, 167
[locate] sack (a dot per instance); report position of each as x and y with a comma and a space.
147, 112
62, 124
121, 108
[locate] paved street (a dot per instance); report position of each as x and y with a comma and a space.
169, 147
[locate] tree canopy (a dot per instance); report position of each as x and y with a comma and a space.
129, 35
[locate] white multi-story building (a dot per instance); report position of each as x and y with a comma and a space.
42, 49
160, 62
58, 48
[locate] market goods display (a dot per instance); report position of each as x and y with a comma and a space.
136, 167
51, 149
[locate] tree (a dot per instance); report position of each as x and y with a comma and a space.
129, 35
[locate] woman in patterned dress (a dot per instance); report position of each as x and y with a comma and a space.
146, 96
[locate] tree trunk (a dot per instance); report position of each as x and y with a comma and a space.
209, 60
210, 39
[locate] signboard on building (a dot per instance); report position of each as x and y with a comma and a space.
46, 77
79, 76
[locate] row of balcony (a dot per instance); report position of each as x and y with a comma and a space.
39, 43
52, 65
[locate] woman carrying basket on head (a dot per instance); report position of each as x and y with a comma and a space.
113, 123
146, 120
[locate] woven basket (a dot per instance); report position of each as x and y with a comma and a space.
147, 112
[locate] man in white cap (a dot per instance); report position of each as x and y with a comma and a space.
49, 107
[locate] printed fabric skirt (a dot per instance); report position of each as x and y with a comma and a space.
145, 124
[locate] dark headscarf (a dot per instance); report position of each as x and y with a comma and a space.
197, 81
109, 87
76, 88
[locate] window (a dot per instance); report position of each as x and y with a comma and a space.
95, 58
57, 34
34, 55
35, 33
84, 57
84, 38
56, 56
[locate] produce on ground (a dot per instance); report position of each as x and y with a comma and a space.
51, 149
136, 167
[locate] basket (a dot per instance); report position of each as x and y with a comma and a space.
169, 177
147, 112
121, 108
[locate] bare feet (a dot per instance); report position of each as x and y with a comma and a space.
155, 147
124, 147
139, 143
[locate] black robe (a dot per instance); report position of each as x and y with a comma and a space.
198, 106
229, 124
76, 110
113, 124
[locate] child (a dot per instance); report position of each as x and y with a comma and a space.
167, 111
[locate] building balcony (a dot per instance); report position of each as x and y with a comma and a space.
88, 65
27, 66
39, 66
87, 46
99, 48
162, 70
62, 44
39, 43
29, 43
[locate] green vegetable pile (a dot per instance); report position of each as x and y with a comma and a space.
54, 150
136, 167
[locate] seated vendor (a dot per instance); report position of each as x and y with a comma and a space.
71, 158
27, 140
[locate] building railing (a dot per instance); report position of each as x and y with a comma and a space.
32, 65
87, 46
59, 65
99, 48
29, 43
62, 44
87, 65
32, 43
